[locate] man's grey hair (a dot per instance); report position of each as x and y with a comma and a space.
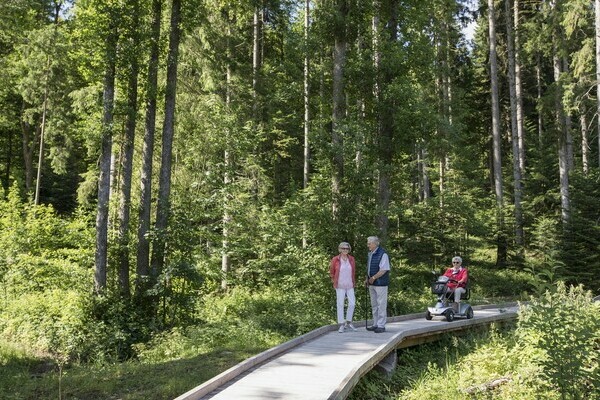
457, 258
373, 239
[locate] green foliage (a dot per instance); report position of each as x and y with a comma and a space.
282, 312
460, 367
51, 322
435, 234
564, 324
26, 376
45, 280
181, 343
580, 241
35, 234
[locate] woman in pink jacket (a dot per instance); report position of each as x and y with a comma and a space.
341, 270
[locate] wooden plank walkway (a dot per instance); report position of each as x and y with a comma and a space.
325, 364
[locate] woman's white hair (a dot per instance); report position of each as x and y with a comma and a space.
344, 244
457, 258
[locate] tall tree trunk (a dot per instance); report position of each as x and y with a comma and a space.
339, 102
228, 161
386, 132
585, 145
38, 180
425, 174
519, 89
225, 259
115, 164
568, 121
164, 184
512, 82
101, 257
376, 33
29, 136
496, 136
257, 61
597, 25
306, 167
127, 155
9, 157
443, 96
562, 124
143, 248
563, 163
538, 84
423, 171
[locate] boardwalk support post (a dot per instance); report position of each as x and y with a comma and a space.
388, 364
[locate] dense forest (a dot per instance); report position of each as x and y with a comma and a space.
172, 165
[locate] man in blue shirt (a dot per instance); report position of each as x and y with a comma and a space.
378, 280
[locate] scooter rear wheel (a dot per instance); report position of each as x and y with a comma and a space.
469, 313
449, 315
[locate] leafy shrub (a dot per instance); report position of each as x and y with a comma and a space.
565, 325
51, 322
284, 313
37, 273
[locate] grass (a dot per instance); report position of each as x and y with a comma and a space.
25, 376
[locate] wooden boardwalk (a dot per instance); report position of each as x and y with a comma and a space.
325, 364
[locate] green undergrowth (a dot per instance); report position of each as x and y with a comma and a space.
460, 368
169, 365
551, 353
26, 377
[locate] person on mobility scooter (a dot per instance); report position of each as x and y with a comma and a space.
454, 283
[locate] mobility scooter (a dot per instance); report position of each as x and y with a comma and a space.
445, 305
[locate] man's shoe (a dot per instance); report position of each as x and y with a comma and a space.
371, 328
351, 327
379, 330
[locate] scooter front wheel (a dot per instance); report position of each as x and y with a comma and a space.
428, 316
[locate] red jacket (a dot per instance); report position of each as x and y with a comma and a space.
334, 269
461, 276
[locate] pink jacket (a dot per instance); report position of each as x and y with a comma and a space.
334, 269
461, 276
